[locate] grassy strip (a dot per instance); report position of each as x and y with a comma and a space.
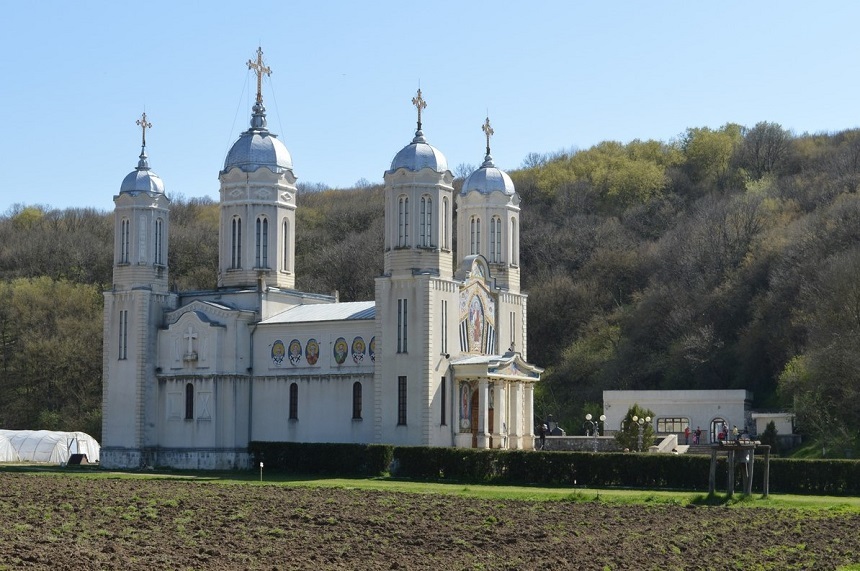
488, 492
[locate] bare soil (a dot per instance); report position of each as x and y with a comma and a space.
57, 522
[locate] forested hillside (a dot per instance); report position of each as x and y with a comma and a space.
728, 258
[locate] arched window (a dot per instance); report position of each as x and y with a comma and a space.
159, 242
425, 222
495, 239
294, 401
286, 238
356, 401
125, 240
403, 221
444, 232
475, 235
261, 247
189, 401
236, 244
515, 244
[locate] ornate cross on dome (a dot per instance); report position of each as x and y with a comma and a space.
144, 125
488, 131
259, 69
419, 102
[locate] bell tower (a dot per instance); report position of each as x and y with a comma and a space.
258, 204
133, 312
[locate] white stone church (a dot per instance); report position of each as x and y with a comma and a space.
438, 358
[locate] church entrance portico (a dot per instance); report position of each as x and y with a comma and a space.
496, 401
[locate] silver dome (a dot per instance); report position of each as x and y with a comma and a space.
142, 179
488, 179
419, 155
257, 148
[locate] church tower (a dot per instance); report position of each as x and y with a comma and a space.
415, 296
418, 209
258, 205
488, 220
133, 313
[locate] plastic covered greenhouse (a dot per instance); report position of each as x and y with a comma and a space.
47, 446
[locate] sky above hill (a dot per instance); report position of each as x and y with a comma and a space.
552, 75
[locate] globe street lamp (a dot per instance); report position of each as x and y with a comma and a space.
595, 427
641, 422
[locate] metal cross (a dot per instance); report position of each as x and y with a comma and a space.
259, 69
144, 126
488, 131
419, 102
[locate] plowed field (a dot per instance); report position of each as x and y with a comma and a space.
57, 522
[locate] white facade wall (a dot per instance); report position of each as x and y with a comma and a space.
703, 408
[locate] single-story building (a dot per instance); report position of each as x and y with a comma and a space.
675, 410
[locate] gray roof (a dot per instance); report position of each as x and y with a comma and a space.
488, 179
346, 311
419, 155
142, 179
258, 148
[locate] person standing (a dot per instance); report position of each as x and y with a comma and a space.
697, 438
735, 433
542, 434
687, 434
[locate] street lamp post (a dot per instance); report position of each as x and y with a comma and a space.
595, 427
641, 422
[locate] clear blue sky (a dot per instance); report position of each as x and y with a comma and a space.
552, 75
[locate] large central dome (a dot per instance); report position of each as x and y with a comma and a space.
258, 148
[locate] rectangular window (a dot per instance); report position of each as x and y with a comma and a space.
444, 390
444, 327
401, 326
513, 330
294, 401
401, 400
123, 334
669, 425
159, 232
356, 401
189, 402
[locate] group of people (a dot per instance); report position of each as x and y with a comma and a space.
697, 435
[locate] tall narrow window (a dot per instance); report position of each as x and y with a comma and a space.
286, 231
425, 222
261, 248
403, 221
401, 400
123, 334
401, 326
189, 402
356, 401
515, 244
513, 330
125, 239
495, 239
445, 326
444, 232
475, 233
159, 242
294, 401
236, 244
443, 388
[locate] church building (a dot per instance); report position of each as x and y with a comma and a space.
438, 358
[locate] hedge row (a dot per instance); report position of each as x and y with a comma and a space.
653, 471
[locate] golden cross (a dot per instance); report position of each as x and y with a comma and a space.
489, 132
259, 69
419, 102
144, 126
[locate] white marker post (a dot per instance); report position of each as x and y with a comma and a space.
261, 471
